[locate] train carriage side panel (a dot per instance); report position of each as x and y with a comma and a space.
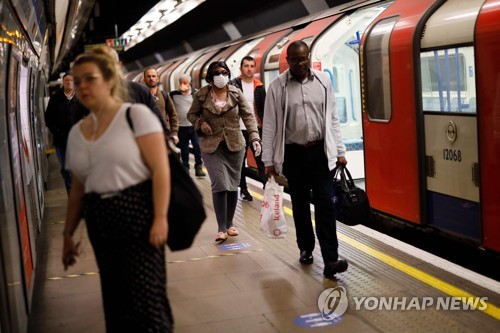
217, 57
389, 127
195, 69
308, 34
162, 68
233, 61
165, 75
12, 295
487, 42
171, 76
259, 51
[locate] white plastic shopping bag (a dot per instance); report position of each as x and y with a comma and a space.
272, 215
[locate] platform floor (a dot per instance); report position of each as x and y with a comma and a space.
252, 283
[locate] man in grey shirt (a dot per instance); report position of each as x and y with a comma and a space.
301, 139
183, 98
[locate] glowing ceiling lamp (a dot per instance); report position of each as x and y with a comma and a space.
165, 12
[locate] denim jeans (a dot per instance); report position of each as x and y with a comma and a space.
186, 134
61, 156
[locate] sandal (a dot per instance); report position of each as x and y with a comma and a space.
233, 231
221, 236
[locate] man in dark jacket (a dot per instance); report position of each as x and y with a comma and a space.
63, 111
138, 93
255, 93
164, 102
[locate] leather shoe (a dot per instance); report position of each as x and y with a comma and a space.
333, 267
306, 257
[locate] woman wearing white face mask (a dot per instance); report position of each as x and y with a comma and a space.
215, 115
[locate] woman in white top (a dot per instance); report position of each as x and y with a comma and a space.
121, 187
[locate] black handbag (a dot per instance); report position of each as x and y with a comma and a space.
351, 202
186, 212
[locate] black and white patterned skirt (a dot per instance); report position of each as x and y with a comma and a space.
133, 272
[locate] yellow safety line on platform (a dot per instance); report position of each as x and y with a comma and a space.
69, 276
233, 253
60, 222
491, 310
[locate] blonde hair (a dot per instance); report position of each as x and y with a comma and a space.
107, 61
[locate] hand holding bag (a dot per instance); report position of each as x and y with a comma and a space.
272, 214
351, 202
186, 212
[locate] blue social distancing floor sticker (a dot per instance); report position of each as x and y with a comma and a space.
315, 320
234, 246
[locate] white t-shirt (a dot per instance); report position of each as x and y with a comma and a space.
113, 162
248, 90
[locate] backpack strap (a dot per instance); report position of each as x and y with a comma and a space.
129, 119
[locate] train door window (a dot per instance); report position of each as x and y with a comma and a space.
269, 76
448, 80
377, 69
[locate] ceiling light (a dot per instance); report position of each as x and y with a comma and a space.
163, 14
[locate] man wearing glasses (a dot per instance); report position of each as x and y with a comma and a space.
301, 139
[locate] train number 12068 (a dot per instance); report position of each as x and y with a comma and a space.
452, 155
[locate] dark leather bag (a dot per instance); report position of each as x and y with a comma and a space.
186, 212
351, 202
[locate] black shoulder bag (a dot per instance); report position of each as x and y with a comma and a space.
351, 202
186, 212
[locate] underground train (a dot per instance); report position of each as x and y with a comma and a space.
417, 89
23, 161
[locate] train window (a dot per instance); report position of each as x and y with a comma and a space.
448, 80
269, 76
378, 92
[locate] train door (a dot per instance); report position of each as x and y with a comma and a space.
308, 34
259, 51
389, 47
39, 92
36, 112
26, 140
15, 245
272, 59
336, 52
448, 92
